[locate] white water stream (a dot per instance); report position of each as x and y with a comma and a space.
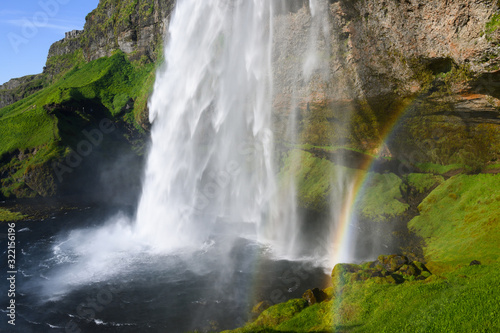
211, 154
212, 165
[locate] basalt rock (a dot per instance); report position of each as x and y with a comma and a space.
393, 269
259, 308
313, 296
19, 88
436, 63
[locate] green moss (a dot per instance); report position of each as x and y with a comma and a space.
437, 168
59, 65
351, 124
30, 125
275, 315
316, 181
462, 301
423, 182
316, 318
312, 177
493, 24
434, 133
381, 197
459, 221
8, 216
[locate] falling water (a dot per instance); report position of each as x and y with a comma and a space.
211, 152
303, 84
211, 167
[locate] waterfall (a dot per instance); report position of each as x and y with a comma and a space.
212, 143
212, 157
213, 168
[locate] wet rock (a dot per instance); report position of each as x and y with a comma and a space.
341, 272
395, 279
313, 296
392, 262
409, 270
259, 308
393, 269
420, 266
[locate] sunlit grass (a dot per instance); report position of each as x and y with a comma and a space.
465, 300
460, 220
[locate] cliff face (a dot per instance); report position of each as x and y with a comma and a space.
134, 27
19, 88
422, 77
40, 134
433, 63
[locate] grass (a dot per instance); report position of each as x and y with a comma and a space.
8, 216
493, 166
318, 181
423, 182
459, 221
437, 168
493, 24
381, 197
28, 125
465, 300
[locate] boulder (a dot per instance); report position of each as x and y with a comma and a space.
392, 262
259, 308
409, 270
313, 296
341, 273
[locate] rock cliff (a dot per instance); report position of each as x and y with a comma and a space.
415, 80
433, 63
134, 27
19, 88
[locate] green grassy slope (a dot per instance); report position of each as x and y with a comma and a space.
465, 300
37, 128
458, 222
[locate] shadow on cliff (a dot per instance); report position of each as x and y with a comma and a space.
100, 164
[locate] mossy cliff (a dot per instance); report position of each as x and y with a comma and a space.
422, 73
381, 62
134, 27
406, 97
445, 281
105, 72
371, 300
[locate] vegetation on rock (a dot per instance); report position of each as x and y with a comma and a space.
7, 215
465, 300
47, 125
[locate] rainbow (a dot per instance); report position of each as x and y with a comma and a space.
342, 235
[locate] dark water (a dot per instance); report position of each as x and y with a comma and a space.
207, 289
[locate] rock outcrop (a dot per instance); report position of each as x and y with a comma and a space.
415, 80
434, 63
394, 269
19, 88
134, 27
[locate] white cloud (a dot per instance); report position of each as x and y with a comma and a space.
8, 12
54, 24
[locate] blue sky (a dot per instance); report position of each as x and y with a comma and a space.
29, 27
